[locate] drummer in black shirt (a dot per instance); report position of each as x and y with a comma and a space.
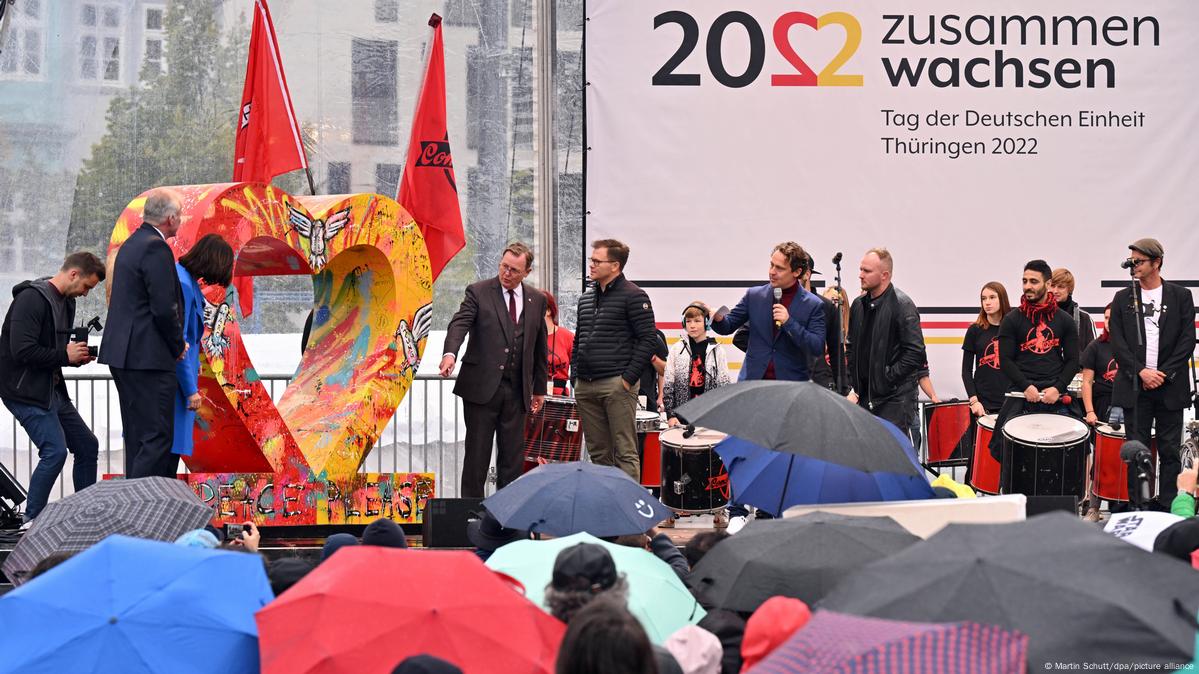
1099, 370
1038, 351
985, 382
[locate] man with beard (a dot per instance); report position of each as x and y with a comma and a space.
1038, 352
1152, 383
886, 346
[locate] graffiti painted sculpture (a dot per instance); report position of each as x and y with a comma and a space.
297, 461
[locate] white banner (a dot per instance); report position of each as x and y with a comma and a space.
966, 137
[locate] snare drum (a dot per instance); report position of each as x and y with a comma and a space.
553, 433
1046, 454
1111, 473
948, 438
693, 476
984, 469
649, 426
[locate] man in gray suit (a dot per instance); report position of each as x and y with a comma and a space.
504, 372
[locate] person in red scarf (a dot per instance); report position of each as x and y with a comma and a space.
1038, 351
559, 342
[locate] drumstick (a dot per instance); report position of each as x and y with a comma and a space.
1065, 399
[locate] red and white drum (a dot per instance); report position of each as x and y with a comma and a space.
553, 433
649, 427
948, 439
1111, 473
984, 469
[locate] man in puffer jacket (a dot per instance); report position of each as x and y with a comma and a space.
613, 344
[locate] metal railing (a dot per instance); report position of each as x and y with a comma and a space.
425, 433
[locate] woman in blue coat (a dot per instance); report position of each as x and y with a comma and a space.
211, 259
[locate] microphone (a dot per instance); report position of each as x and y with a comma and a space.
689, 431
1134, 451
778, 299
837, 258
1127, 264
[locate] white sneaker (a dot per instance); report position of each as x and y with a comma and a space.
26, 525
736, 524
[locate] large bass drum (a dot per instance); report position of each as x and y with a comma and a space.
1047, 455
694, 479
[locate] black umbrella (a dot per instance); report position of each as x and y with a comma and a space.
1081, 595
801, 418
801, 557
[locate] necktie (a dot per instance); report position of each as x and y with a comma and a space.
512, 305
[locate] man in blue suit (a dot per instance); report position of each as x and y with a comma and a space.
786, 329
783, 334
143, 337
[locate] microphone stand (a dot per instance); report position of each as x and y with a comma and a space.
1130, 420
841, 365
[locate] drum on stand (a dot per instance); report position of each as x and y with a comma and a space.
1111, 473
984, 469
649, 426
1047, 455
949, 436
694, 479
553, 433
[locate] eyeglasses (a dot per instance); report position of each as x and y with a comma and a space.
594, 262
510, 270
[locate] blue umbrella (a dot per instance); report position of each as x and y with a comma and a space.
561, 499
133, 605
775, 481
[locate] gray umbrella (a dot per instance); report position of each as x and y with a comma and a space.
801, 418
156, 508
801, 557
1081, 595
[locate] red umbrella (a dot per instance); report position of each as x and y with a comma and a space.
838, 642
367, 608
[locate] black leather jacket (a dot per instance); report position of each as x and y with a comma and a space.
890, 364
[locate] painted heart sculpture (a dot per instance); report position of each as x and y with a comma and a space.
297, 460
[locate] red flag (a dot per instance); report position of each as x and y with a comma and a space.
428, 189
268, 137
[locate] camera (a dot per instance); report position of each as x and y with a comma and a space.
80, 334
233, 531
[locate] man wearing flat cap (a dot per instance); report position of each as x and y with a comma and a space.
1152, 385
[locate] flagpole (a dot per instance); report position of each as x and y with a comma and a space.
311, 185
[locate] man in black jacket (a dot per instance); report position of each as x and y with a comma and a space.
1152, 383
613, 344
886, 346
143, 337
34, 347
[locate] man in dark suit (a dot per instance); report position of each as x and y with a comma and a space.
504, 372
1152, 385
143, 337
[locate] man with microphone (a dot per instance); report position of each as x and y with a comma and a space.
786, 329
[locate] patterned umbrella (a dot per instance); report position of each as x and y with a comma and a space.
836, 642
157, 508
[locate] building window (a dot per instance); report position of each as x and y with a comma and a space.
153, 44
338, 181
373, 92
387, 179
387, 11
100, 35
24, 44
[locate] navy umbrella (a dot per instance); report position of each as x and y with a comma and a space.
561, 499
800, 418
774, 481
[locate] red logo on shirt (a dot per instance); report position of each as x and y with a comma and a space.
1109, 375
991, 355
1040, 340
